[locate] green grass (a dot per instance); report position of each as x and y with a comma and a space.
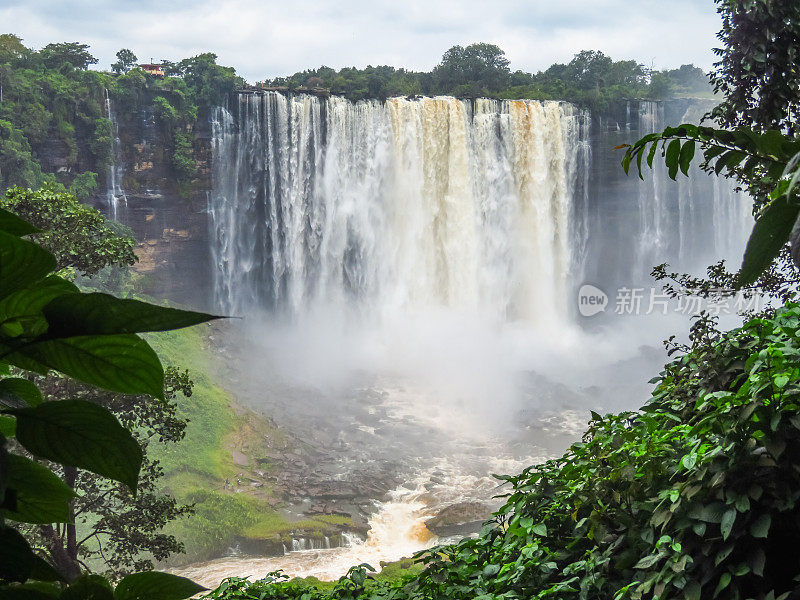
211, 418
273, 524
196, 469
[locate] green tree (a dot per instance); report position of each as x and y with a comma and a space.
207, 81
17, 164
75, 54
109, 523
589, 69
660, 86
126, 60
78, 236
689, 78
84, 186
482, 64
11, 47
758, 68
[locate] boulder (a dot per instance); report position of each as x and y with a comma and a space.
462, 518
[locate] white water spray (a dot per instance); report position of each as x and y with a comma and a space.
114, 192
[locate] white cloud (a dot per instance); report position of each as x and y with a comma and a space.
271, 37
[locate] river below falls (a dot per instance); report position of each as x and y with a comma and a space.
441, 407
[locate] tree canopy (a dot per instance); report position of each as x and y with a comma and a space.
78, 235
126, 60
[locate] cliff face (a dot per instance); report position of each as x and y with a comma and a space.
168, 218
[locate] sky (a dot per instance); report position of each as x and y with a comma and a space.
268, 38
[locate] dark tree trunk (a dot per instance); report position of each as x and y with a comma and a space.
63, 546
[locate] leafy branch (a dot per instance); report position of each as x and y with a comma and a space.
771, 157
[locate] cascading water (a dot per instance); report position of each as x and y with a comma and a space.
114, 192
693, 222
407, 204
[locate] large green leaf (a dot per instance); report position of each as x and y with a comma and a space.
8, 426
770, 233
21, 263
32, 299
41, 496
17, 392
44, 571
29, 591
16, 556
760, 527
11, 223
88, 587
156, 586
101, 314
80, 434
18, 562
120, 363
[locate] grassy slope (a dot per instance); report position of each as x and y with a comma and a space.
197, 468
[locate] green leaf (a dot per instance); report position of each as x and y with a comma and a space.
21, 263
647, 561
29, 591
770, 234
101, 314
156, 586
690, 460
16, 392
31, 300
8, 426
760, 527
727, 523
729, 160
88, 587
120, 363
757, 561
41, 496
691, 591
539, 529
651, 154
16, 556
686, 156
672, 156
43, 571
81, 434
724, 580
12, 224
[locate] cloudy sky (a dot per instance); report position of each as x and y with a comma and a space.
266, 38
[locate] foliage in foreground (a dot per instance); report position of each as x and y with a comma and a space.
47, 324
694, 496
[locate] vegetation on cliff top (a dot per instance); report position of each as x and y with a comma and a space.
591, 79
54, 122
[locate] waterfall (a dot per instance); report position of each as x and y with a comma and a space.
402, 204
692, 222
114, 191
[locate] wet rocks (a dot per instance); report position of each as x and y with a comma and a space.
459, 519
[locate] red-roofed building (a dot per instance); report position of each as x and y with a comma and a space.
152, 69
